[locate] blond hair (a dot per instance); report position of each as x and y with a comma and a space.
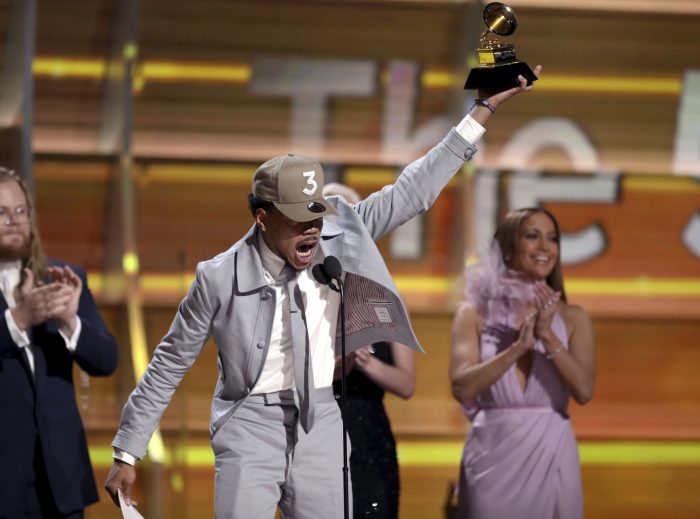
348, 193
36, 261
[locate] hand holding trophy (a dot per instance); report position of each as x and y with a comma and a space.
498, 67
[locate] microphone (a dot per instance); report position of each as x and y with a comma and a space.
328, 272
333, 268
319, 274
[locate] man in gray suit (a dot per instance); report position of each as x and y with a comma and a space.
275, 427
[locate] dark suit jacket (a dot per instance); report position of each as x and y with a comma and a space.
45, 405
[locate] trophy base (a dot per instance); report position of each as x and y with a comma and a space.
499, 77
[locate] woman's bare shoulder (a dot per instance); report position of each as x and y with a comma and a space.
466, 308
467, 313
574, 316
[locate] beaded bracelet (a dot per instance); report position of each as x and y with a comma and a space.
559, 349
485, 102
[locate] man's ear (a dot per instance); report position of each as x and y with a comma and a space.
261, 219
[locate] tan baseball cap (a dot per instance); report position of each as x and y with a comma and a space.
293, 183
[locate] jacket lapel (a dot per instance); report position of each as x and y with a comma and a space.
249, 270
332, 240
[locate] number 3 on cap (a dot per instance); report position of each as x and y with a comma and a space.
311, 182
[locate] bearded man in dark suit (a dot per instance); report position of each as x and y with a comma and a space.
48, 322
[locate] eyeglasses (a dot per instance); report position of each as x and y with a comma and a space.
20, 215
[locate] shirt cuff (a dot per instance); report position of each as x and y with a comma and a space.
125, 457
72, 341
471, 130
19, 336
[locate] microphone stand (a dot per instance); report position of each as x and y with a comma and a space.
322, 275
346, 492
346, 507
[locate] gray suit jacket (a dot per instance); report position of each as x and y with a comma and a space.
230, 301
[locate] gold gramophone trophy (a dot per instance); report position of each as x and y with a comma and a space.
498, 67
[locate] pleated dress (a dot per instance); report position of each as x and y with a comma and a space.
520, 459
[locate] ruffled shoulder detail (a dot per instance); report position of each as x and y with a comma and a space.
493, 288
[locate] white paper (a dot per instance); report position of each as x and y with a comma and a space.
128, 511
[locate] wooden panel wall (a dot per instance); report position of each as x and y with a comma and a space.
632, 129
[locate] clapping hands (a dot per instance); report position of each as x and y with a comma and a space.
538, 321
546, 304
55, 299
360, 358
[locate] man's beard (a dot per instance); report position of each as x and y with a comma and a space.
16, 253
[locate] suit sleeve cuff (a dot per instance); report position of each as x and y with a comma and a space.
125, 457
72, 341
19, 336
471, 130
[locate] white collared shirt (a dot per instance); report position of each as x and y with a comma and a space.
321, 306
9, 279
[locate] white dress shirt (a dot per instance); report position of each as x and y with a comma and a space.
9, 279
321, 306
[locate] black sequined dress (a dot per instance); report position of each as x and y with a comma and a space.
373, 466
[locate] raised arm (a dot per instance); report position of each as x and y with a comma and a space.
417, 188
468, 375
420, 183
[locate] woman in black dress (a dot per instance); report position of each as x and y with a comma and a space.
374, 470
370, 371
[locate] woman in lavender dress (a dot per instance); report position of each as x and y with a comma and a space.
519, 351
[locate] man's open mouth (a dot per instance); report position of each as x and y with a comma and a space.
306, 248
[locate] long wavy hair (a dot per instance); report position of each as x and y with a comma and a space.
36, 261
509, 231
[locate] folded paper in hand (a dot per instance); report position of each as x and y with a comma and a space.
128, 511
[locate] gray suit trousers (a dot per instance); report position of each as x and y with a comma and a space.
264, 459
